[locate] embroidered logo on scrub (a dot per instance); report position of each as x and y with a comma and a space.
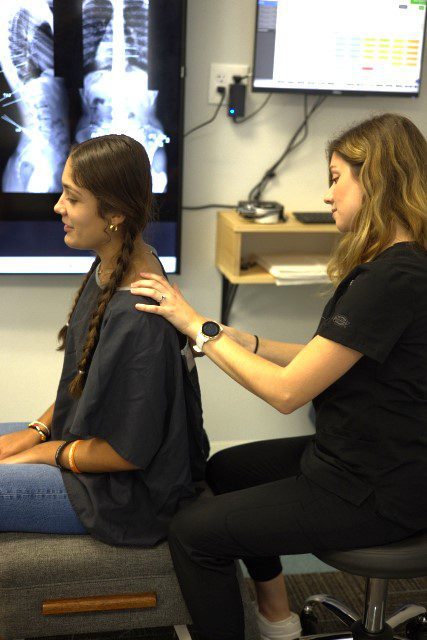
341, 321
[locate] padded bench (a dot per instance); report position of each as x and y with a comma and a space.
59, 584
54, 584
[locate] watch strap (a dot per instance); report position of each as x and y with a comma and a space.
201, 340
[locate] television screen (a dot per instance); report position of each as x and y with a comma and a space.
364, 47
71, 70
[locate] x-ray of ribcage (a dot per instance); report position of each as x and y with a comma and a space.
115, 96
26, 58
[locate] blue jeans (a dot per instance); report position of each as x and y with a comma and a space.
33, 497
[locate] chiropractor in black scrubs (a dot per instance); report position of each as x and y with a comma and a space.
362, 479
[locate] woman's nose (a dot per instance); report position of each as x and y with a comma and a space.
59, 206
328, 197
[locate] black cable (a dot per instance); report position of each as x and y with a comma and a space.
256, 191
251, 115
305, 129
211, 206
270, 173
220, 90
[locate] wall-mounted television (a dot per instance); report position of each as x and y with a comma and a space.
367, 47
72, 70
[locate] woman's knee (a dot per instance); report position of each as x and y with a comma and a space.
214, 471
189, 524
180, 527
200, 527
223, 470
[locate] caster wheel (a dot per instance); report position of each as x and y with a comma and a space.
309, 623
416, 629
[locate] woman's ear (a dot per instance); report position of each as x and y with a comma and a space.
116, 219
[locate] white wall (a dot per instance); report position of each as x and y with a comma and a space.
222, 162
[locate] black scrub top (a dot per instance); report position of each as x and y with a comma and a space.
371, 424
141, 397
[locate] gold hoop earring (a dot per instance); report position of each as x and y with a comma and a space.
114, 227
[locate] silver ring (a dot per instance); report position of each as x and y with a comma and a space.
162, 298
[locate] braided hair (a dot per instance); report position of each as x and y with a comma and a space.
116, 170
62, 334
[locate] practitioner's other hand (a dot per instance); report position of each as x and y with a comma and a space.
171, 304
13, 443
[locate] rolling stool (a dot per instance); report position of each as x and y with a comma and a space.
404, 559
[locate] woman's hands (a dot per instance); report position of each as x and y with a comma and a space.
171, 303
94, 456
38, 454
16, 442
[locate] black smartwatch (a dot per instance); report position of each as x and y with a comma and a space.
209, 331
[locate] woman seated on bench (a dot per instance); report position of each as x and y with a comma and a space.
118, 452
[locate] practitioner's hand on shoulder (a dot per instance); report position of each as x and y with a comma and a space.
13, 443
171, 304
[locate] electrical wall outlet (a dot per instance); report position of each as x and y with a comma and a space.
221, 76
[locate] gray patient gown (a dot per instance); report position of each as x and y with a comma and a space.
141, 397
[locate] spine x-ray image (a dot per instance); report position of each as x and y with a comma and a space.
41, 114
115, 95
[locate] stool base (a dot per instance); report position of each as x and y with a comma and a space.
371, 626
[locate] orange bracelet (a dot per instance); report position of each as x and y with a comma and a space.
71, 460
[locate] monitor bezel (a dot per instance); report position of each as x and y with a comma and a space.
168, 208
333, 92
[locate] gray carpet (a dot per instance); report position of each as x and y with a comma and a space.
345, 587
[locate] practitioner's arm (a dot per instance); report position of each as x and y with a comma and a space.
314, 368
281, 353
24, 439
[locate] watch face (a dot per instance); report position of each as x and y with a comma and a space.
211, 329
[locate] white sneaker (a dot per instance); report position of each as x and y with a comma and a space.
288, 629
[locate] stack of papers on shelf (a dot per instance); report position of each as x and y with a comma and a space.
295, 268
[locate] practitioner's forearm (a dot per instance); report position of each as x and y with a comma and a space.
281, 353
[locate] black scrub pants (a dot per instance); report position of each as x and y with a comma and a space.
263, 508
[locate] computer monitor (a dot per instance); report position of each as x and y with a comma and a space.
71, 70
372, 47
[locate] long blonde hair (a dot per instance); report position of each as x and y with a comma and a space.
388, 155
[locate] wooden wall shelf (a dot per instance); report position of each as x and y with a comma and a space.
238, 239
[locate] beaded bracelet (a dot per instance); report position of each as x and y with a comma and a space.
41, 425
59, 450
43, 436
71, 453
